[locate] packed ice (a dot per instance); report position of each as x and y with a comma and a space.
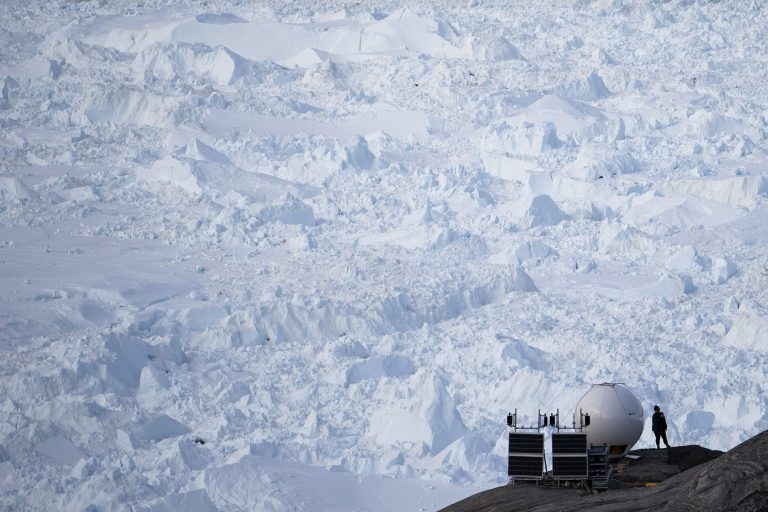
307, 256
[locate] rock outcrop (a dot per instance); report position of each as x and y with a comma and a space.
681, 479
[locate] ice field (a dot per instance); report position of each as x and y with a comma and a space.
306, 256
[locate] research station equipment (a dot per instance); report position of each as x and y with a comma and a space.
607, 422
617, 417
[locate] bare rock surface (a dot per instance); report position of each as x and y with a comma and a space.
684, 478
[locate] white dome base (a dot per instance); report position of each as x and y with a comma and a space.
616, 417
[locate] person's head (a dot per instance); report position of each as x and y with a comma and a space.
656, 408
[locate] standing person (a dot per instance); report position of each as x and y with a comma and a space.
659, 426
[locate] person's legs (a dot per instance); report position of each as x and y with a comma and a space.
657, 439
664, 437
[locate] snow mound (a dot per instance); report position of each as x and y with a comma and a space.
686, 259
615, 238
461, 457
704, 124
529, 389
679, 212
597, 161
302, 242
378, 367
518, 136
307, 58
181, 173
198, 168
132, 356
401, 33
562, 187
722, 270
574, 121
159, 428
542, 211
406, 31
505, 145
495, 49
171, 61
12, 188
59, 449
194, 455
281, 320
699, 422
668, 285
744, 191
7, 86
588, 89
196, 149
73, 52
748, 331
532, 251
522, 354
358, 154
429, 237
430, 417
257, 482
192, 501
126, 106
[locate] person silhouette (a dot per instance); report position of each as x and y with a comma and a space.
659, 426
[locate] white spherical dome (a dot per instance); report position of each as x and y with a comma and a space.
616, 417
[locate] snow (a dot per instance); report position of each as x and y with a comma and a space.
278, 256
431, 419
59, 449
13, 188
748, 330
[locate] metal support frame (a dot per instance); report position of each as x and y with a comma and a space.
526, 451
569, 456
599, 467
570, 461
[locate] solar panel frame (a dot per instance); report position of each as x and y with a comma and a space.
526, 456
569, 456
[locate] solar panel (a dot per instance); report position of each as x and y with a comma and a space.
526, 455
524, 442
569, 443
569, 467
569, 456
522, 466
